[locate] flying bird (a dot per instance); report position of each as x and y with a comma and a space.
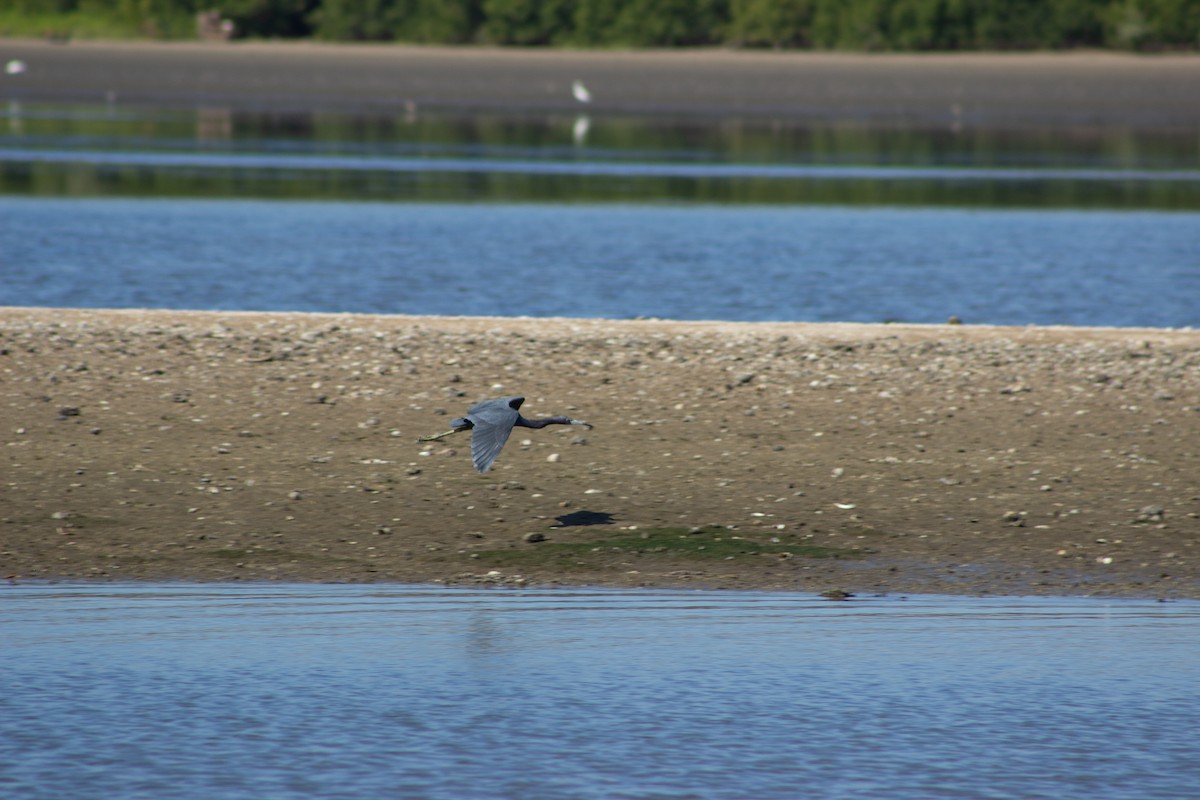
490, 422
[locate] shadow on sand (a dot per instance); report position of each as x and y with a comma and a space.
578, 519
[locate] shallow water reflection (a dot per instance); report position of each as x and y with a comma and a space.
215, 691
133, 151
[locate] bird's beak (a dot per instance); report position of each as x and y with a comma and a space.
587, 425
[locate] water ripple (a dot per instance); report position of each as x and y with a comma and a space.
287, 691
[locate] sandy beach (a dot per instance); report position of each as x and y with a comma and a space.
815, 457
1065, 90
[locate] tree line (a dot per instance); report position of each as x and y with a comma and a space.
858, 25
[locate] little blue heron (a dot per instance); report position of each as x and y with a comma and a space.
490, 423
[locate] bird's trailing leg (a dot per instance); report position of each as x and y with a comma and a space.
456, 426
439, 436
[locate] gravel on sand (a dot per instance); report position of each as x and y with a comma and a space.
270, 446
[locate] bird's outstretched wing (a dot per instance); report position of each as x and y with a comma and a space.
493, 421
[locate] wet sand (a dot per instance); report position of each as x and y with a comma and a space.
1076, 90
816, 457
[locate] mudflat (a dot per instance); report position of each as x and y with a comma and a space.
1075, 90
816, 457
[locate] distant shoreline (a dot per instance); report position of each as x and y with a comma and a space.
1073, 90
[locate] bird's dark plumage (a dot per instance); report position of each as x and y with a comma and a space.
490, 423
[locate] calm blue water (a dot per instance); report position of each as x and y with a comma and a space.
298, 691
754, 263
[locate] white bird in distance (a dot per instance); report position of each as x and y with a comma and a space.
581, 93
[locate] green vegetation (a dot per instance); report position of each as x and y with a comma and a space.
99, 19
670, 544
873, 25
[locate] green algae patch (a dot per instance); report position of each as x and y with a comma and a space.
711, 543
